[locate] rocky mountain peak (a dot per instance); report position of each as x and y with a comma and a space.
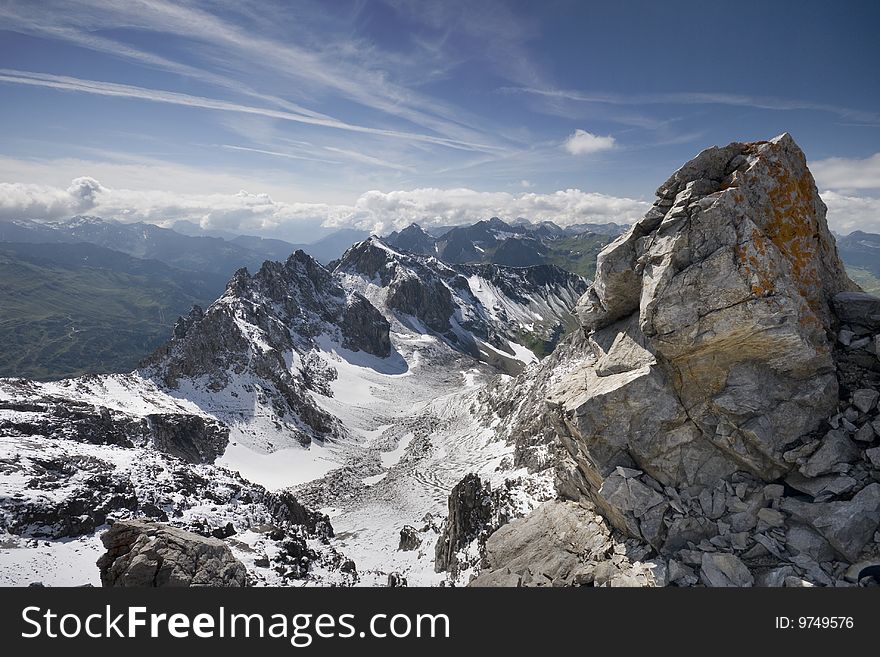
722, 295
260, 335
707, 373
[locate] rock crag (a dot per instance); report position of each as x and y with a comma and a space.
719, 404
145, 554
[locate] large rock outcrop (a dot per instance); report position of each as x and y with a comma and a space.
721, 396
710, 322
145, 554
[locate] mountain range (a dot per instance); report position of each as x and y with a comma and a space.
99, 299
705, 414
518, 244
126, 282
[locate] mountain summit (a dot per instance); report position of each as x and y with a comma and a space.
705, 375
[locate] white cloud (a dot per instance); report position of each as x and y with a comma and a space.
849, 213
375, 211
112, 89
843, 173
582, 142
383, 211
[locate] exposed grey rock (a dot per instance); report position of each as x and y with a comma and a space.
865, 434
768, 518
409, 539
873, 455
858, 309
773, 491
775, 577
688, 530
803, 540
836, 448
190, 437
730, 288
563, 544
821, 488
680, 574
142, 554
553, 543
471, 513
396, 580
865, 399
847, 526
725, 570
629, 494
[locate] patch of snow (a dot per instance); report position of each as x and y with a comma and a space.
282, 468
375, 479
392, 458
69, 562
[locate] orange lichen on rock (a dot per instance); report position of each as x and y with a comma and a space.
793, 229
760, 278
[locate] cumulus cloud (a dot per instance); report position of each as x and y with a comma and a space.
849, 213
581, 142
18, 200
374, 211
384, 211
843, 173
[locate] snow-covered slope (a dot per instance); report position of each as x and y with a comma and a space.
359, 388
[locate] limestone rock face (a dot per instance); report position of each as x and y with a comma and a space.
560, 544
709, 321
723, 352
145, 554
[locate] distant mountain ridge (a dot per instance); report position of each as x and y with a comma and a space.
517, 244
504, 316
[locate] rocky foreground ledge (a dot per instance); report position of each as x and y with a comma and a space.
715, 420
147, 554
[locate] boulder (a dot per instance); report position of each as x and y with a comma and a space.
561, 544
146, 554
865, 399
847, 525
709, 323
835, 448
409, 539
859, 309
725, 570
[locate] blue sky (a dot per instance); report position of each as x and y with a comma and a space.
293, 118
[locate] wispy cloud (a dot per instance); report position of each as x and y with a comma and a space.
331, 65
66, 83
364, 158
288, 156
701, 98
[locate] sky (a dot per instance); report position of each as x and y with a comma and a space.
292, 119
